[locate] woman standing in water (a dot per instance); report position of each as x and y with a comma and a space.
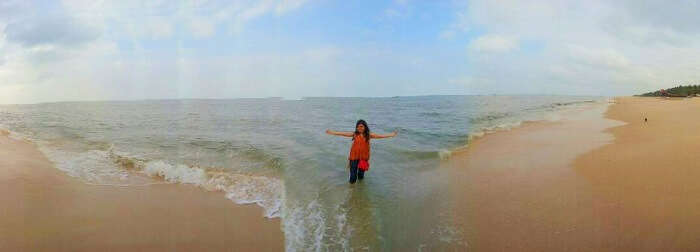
359, 152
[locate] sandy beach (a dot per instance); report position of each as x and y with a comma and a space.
586, 183
43, 209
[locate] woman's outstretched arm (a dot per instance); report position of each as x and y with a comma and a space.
340, 133
393, 134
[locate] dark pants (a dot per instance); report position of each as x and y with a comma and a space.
355, 173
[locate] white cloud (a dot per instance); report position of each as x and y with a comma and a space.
585, 47
158, 19
201, 27
71, 50
492, 43
459, 25
605, 58
151, 28
50, 30
85, 49
288, 5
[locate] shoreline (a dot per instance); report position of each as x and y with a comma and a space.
512, 190
552, 117
548, 185
45, 209
646, 182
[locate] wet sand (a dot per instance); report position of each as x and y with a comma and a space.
648, 180
43, 209
585, 183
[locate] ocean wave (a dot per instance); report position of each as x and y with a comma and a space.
92, 166
428, 134
13, 134
495, 116
446, 153
304, 226
308, 226
246, 151
555, 105
264, 191
489, 117
494, 128
442, 154
109, 167
430, 114
484, 125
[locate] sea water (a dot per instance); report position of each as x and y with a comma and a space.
274, 153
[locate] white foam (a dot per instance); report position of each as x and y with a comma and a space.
310, 227
573, 111
177, 173
93, 166
492, 129
266, 192
303, 227
14, 135
244, 189
444, 154
99, 167
18, 136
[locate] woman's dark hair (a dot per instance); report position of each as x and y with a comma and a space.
365, 134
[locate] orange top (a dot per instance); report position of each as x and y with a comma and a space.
359, 149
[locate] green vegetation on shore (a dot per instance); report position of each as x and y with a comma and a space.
679, 91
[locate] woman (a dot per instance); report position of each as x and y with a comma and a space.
359, 152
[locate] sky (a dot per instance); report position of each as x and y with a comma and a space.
130, 50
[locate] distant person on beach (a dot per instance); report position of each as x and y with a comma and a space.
359, 152
645, 119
